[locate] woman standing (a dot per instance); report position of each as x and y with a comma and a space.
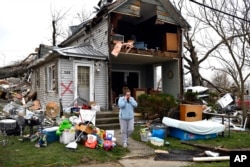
126, 104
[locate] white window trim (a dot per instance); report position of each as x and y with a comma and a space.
91, 79
155, 76
48, 79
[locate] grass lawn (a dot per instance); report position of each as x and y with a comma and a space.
55, 154
25, 154
236, 140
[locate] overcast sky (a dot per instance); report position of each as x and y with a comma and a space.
24, 24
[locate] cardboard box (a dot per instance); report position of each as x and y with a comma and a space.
190, 112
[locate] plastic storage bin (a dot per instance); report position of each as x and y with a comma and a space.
157, 141
67, 136
159, 130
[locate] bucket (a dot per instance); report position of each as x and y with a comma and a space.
144, 134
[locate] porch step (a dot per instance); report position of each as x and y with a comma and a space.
107, 120
112, 126
107, 114
110, 119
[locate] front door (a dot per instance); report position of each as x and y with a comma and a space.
84, 82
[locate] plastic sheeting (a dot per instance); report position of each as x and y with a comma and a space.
203, 127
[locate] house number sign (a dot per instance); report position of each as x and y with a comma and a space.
66, 72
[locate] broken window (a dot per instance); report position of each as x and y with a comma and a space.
51, 78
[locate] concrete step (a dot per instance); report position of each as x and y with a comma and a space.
109, 126
110, 120
107, 120
107, 114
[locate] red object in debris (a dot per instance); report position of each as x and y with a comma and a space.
91, 142
246, 102
107, 145
85, 106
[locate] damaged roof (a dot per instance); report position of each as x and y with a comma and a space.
176, 17
86, 51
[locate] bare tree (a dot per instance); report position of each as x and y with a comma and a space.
221, 81
194, 39
57, 28
227, 21
82, 15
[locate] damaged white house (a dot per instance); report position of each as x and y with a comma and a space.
122, 45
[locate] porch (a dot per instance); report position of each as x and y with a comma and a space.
145, 70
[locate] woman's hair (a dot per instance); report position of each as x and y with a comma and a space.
125, 90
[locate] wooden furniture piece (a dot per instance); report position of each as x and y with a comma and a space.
138, 92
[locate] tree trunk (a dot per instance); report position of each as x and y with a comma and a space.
53, 32
7, 72
195, 76
194, 68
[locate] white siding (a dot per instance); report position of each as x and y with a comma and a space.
101, 86
42, 93
97, 37
100, 82
66, 76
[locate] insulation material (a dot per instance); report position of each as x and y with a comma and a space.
118, 46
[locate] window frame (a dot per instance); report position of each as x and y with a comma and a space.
51, 78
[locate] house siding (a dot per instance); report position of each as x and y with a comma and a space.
97, 37
42, 94
65, 79
67, 76
171, 86
101, 85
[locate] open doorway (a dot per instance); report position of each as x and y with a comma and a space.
158, 77
122, 79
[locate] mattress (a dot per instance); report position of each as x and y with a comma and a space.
203, 127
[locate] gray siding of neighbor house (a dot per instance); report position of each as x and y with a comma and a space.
171, 86
97, 37
39, 85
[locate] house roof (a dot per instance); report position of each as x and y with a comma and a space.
85, 51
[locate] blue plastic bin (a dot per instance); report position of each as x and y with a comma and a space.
51, 134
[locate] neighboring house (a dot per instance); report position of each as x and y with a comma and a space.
83, 65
